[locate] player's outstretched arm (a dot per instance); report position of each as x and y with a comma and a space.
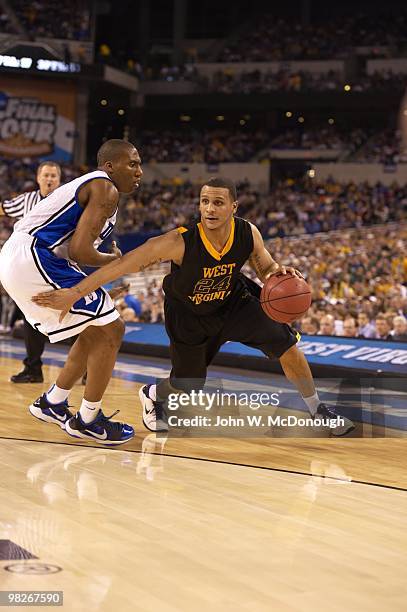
168, 247
262, 262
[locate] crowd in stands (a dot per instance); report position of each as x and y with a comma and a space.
42, 18
291, 208
319, 138
271, 38
228, 81
385, 148
309, 207
192, 145
358, 279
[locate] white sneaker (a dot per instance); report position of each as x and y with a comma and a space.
153, 413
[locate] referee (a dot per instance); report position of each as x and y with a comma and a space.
48, 179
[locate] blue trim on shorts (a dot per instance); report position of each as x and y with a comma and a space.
60, 274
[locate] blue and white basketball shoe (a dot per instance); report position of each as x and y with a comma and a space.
340, 425
51, 413
101, 429
154, 417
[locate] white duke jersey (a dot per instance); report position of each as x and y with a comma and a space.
53, 221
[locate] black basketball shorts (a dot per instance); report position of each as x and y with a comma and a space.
195, 340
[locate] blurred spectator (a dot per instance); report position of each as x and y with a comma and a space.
310, 325
104, 53
399, 332
327, 326
128, 315
366, 329
133, 303
383, 328
5, 25
349, 328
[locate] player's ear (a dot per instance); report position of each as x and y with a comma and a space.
235, 205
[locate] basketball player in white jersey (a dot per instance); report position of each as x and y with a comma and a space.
62, 231
48, 179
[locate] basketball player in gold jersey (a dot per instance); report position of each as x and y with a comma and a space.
208, 301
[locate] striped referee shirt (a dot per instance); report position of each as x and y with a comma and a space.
21, 205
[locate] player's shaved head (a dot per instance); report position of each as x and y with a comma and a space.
112, 150
121, 162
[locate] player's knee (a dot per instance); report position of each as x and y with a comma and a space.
187, 385
291, 354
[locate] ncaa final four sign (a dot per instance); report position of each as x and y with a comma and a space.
37, 119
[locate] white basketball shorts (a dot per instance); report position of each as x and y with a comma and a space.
27, 268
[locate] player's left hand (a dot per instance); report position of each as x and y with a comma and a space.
115, 250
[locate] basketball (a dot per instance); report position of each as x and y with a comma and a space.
285, 298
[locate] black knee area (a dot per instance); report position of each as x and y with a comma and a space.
172, 385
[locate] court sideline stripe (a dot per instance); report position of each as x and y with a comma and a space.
257, 467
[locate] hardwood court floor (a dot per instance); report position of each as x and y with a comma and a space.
187, 524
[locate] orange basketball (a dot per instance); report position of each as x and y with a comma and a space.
285, 298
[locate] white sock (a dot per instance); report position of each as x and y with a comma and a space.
312, 402
89, 410
56, 395
152, 392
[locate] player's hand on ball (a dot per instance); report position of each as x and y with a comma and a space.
286, 270
61, 299
115, 250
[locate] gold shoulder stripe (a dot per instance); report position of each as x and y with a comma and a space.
182, 229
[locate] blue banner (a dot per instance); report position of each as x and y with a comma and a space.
352, 353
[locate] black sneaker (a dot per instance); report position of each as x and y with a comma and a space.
25, 376
153, 412
338, 424
50, 413
101, 429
